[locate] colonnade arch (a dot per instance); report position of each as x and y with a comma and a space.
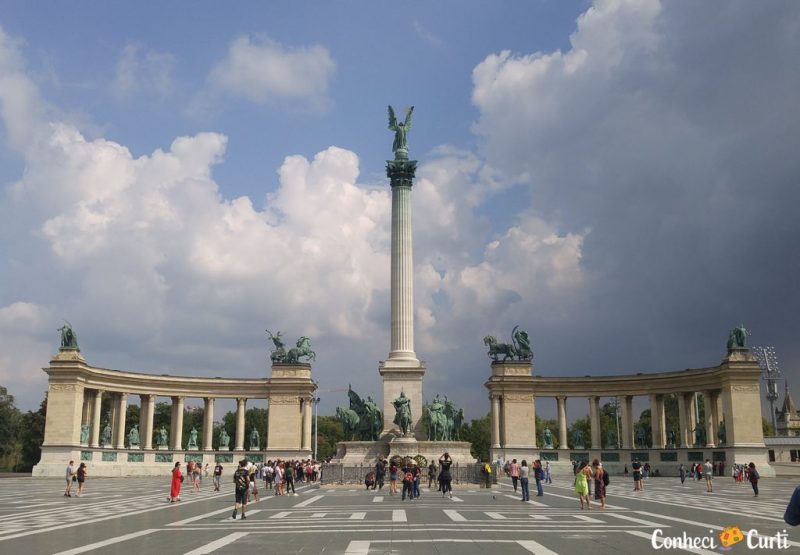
75, 398
729, 431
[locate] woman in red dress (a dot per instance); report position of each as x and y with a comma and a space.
177, 478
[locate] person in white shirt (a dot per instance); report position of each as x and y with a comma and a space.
708, 471
70, 476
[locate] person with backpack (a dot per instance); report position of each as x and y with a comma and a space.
600, 482
408, 481
637, 475
269, 474
753, 476
241, 486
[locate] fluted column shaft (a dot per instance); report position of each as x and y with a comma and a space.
495, 422
240, 408
402, 277
208, 423
710, 405
594, 421
562, 422
683, 420
306, 439
177, 423
122, 409
94, 440
149, 408
658, 421
626, 428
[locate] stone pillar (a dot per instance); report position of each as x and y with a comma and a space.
308, 406
715, 414
114, 418
240, 408
94, 439
208, 423
692, 418
658, 421
562, 422
709, 404
85, 409
146, 439
533, 421
626, 425
122, 410
594, 422
683, 416
495, 422
176, 431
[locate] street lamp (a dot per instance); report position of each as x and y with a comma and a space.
768, 361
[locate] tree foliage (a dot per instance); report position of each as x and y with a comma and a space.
479, 434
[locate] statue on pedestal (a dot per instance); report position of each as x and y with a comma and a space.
721, 433
374, 418
69, 340
548, 438
400, 144
699, 436
402, 417
224, 440
84, 434
437, 421
522, 344
350, 421
133, 436
737, 338
163, 439
192, 439
611, 439
278, 354
302, 349
106, 437
255, 440
577, 439
671, 438
641, 438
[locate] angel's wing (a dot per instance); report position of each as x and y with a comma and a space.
407, 123
392, 119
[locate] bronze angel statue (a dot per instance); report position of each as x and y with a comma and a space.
400, 145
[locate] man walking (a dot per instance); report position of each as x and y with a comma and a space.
380, 473
217, 476
241, 485
70, 477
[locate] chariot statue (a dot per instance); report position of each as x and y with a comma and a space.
69, 339
522, 344
278, 354
302, 349
737, 338
496, 348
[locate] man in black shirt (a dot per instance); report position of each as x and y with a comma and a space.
217, 476
241, 484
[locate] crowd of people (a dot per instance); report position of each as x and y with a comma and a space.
408, 472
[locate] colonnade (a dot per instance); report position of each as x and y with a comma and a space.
659, 437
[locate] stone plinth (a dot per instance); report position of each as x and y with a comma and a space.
366, 452
407, 378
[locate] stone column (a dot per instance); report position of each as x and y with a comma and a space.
562, 422
594, 422
240, 408
626, 426
683, 416
94, 440
715, 413
114, 417
709, 404
176, 431
533, 421
122, 410
495, 422
658, 421
146, 439
307, 410
85, 409
208, 423
692, 417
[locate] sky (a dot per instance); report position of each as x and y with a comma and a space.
619, 178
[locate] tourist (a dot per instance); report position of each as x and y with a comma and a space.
393, 477
445, 479
513, 470
175, 486
432, 475
81, 476
408, 481
289, 479
417, 472
753, 476
682, 473
269, 475
547, 477
279, 476
380, 473
792, 514
252, 480
600, 477
582, 484
637, 475
722, 468
190, 472
205, 471
240, 485
486, 469
709, 472
524, 482
625, 472
70, 478
197, 476
369, 480
217, 476
698, 471
538, 475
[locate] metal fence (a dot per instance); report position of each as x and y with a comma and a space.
335, 473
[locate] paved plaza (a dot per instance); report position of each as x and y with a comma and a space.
132, 515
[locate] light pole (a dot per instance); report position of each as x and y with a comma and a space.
768, 361
316, 426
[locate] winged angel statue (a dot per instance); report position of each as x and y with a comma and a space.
400, 145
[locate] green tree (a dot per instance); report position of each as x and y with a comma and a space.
329, 433
32, 437
766, 427
478, 433
541, 424
10, 429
